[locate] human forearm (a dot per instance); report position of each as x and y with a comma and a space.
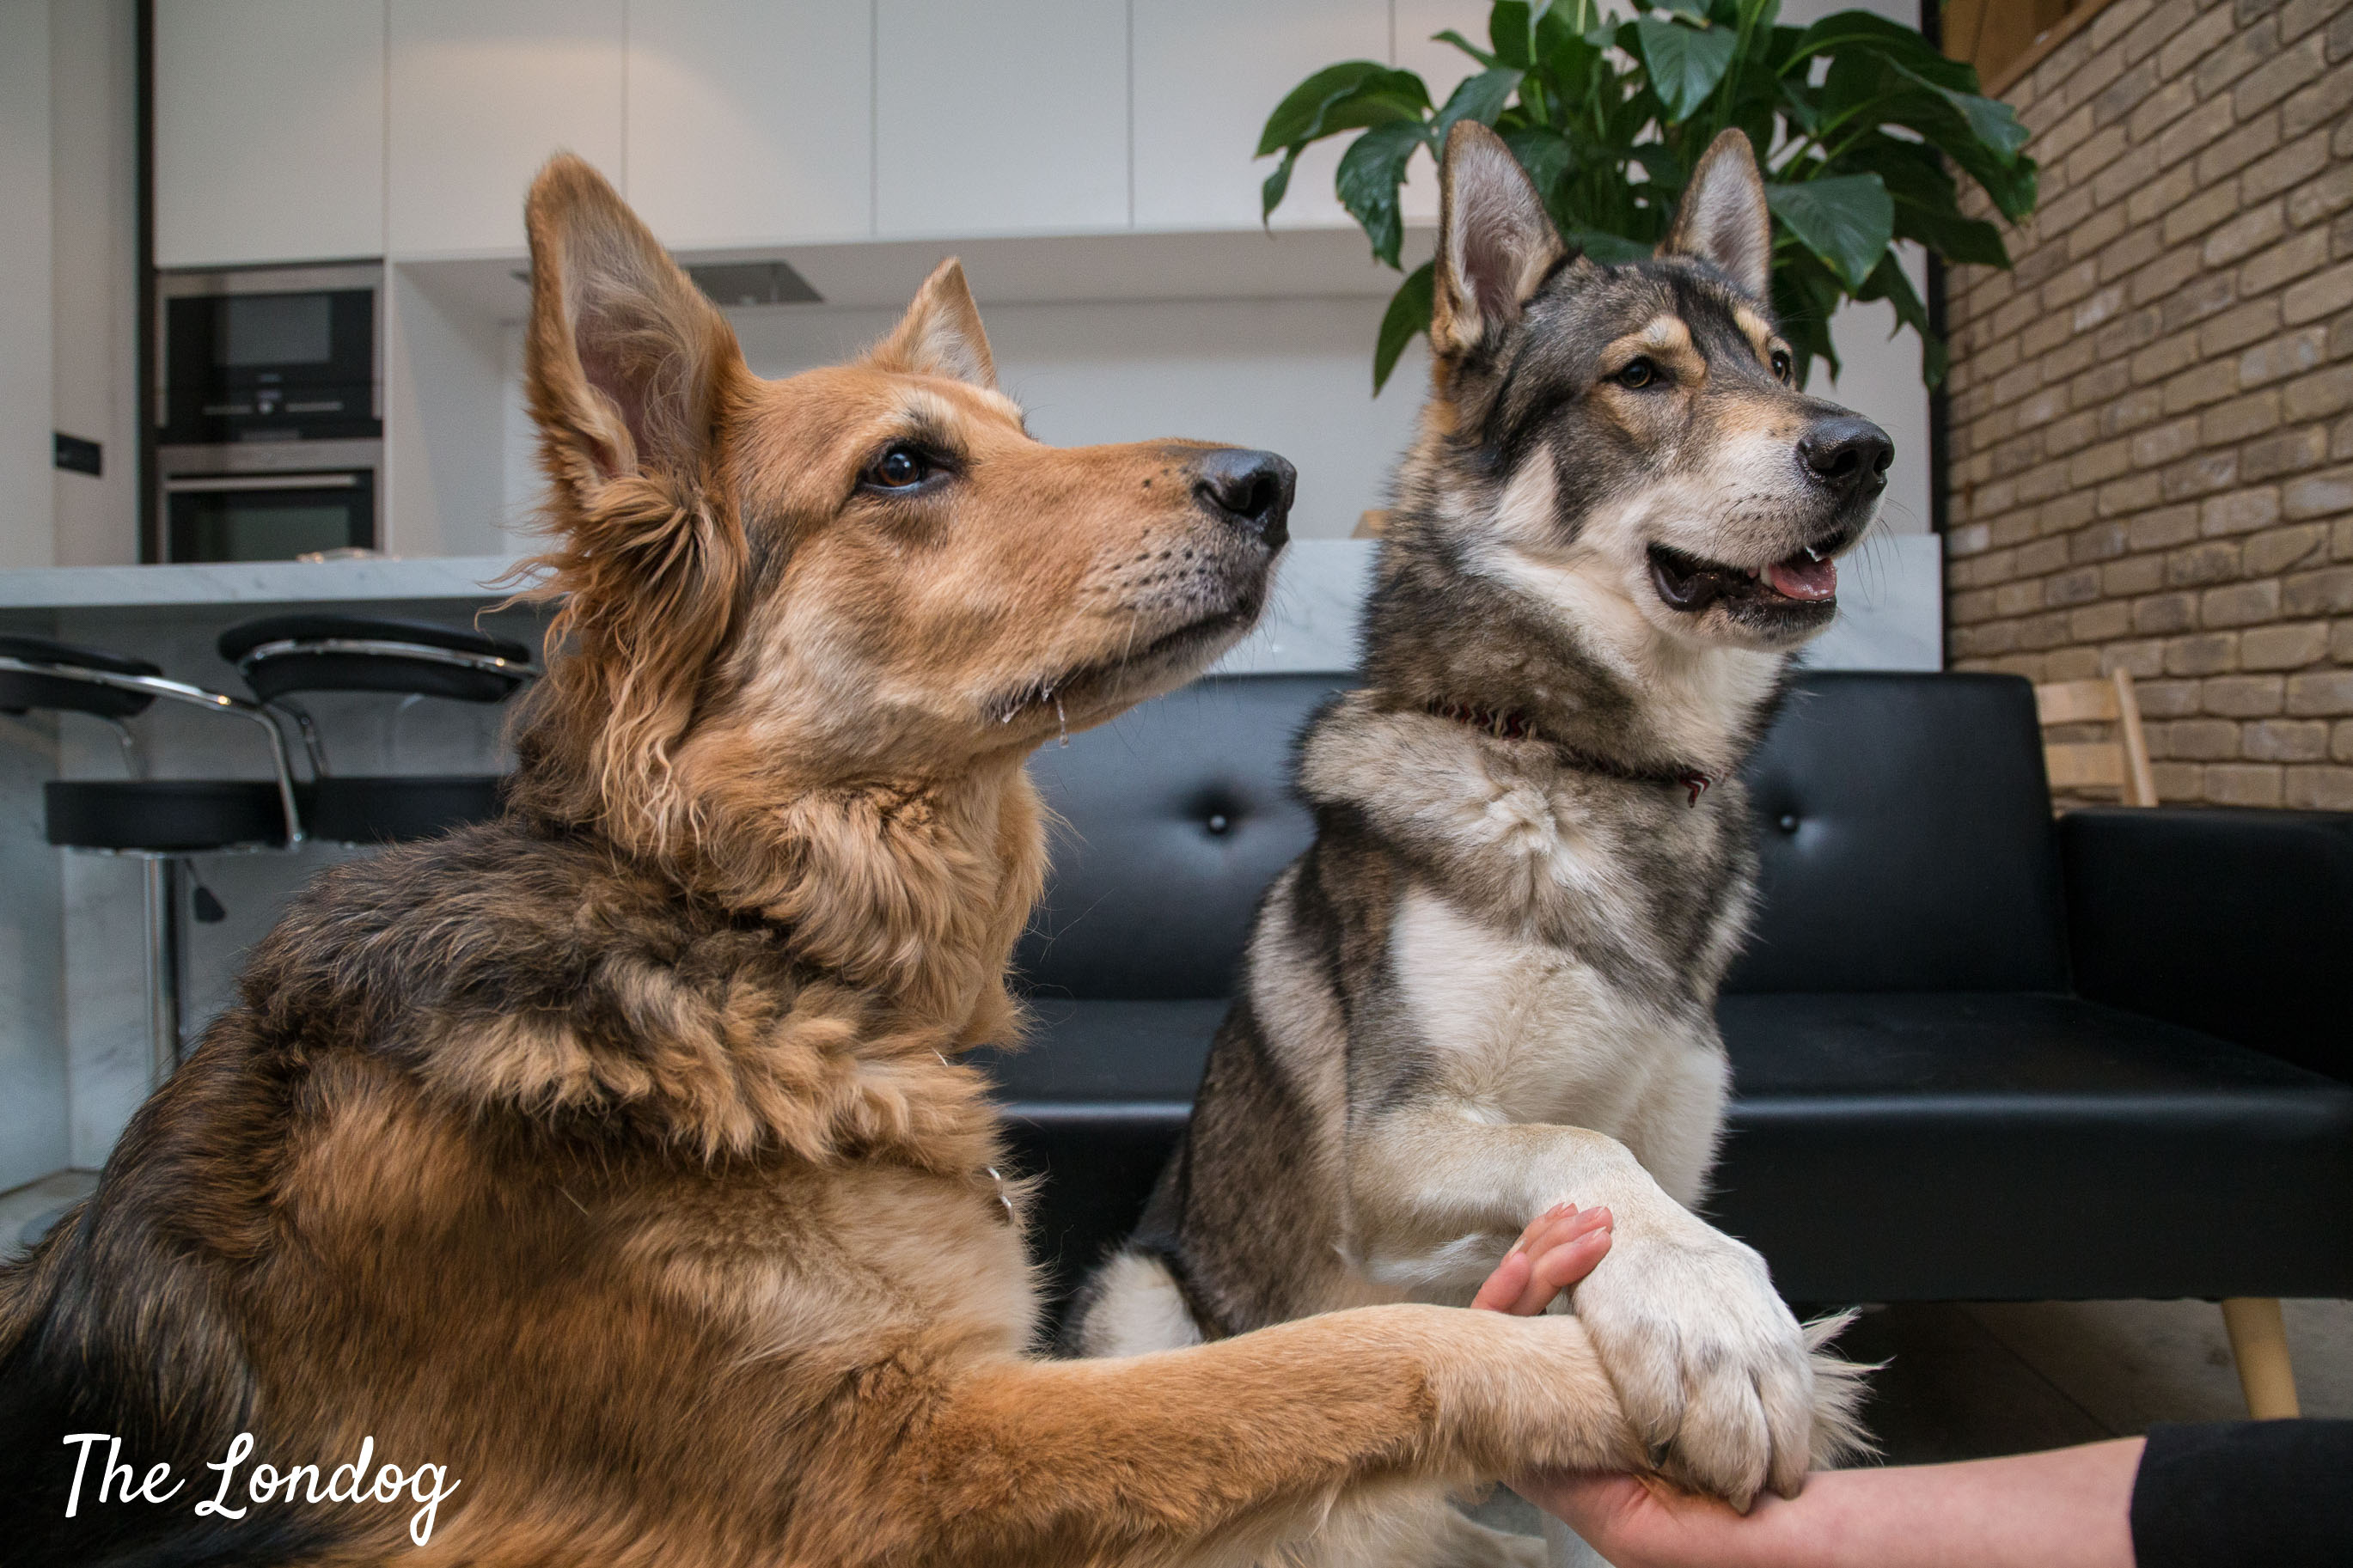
2066, 1508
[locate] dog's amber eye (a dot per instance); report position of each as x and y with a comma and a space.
898, 469
1638, 373
1780, 364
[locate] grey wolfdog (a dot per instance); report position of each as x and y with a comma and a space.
1489, 983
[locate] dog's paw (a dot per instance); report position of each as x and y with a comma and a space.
1709, 1364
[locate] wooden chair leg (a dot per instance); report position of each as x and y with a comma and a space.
2259, 1340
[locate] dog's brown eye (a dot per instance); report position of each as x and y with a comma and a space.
898, 469
1639, 373
1780, 364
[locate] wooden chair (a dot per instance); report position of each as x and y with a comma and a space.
2120, 763
2258, 1336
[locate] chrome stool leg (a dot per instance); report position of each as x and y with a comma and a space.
162, 967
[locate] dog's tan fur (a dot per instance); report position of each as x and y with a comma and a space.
615, 1155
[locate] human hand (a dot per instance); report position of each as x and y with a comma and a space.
2067, 1507
1559, 1248
1642, 1521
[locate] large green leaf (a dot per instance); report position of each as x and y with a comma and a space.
1956, 238
1913, 171
1888, 283
1544, 154
1486, 60
1847, 220
1996, 123
1863, 32
1510, 31
1683, 63
1862, 90
1805, 294
1407, 318
1370, 173
1481, 97
1344, 97
1602, 245
1278, 184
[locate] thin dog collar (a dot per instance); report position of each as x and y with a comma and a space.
1510, 725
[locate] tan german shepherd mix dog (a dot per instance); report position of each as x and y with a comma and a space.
612, 1164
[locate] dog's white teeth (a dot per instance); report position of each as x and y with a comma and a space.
1812, 553
1063, 718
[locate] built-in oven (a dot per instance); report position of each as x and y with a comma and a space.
268, 515
269, 412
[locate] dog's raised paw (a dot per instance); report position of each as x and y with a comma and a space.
1709, 1364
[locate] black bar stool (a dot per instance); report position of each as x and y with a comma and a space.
155, 820
283, 655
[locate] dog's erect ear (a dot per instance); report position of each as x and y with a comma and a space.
630, 370
940, 334
1496, 242
625, 359
1724, 220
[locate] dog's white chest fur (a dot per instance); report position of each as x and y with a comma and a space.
1522, 1030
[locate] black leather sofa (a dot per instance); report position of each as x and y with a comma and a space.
1978, 1054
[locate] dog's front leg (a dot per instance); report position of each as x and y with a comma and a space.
1220, 1451
1713, 1368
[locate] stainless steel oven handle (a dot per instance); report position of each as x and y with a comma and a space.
210, 483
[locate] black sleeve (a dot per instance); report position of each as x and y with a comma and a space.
2273, 1493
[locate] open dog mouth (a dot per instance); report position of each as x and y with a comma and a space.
1807, 577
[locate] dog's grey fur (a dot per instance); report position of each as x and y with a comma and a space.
1489, 983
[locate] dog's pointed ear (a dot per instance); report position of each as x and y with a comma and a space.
940, 334
630, 373
1723, 219
626, 361
1496, 241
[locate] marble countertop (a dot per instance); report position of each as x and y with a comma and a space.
253, 583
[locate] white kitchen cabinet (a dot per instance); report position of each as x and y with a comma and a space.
750, 123
269, 131
1007, 118
480, 93
1207, 73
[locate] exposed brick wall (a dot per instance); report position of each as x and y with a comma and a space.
2152, 416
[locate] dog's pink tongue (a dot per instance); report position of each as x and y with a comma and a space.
1802, 577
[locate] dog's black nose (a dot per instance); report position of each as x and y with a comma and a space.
1848, 453
1251, 488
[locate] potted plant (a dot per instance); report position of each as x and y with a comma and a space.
1853, 119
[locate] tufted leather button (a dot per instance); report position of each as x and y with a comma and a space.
1789, 822
1218, 823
